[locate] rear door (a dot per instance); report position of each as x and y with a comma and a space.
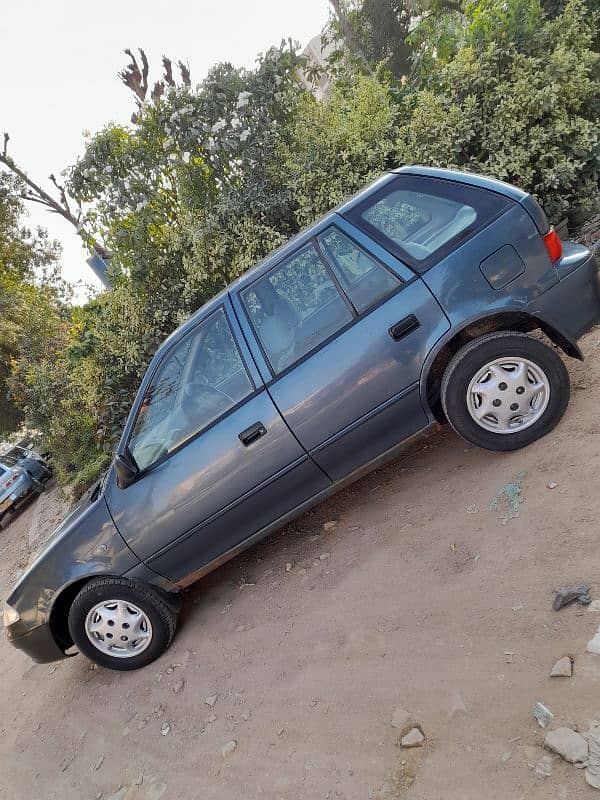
217, 461
343, 329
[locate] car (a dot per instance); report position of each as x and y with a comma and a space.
431, 296
18, 482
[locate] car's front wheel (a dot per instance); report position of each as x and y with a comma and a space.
121, 624
504, 390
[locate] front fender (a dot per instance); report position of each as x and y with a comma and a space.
86, 543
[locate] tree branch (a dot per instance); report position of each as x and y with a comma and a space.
36, 194
351, 42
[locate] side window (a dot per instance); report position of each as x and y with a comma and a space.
418, 216
295, 307
364, 279
198, 381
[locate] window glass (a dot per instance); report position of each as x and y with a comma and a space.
295, 307
420, 223
198, 381
2, 470
364, 280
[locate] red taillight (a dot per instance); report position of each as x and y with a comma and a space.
553, 245
10, 481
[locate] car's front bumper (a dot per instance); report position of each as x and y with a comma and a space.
572, 306
38, 643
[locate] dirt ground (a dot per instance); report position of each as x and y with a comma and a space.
421, 597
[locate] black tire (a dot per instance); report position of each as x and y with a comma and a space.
162, 618
483, 350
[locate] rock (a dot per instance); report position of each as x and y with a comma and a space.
563, 668
592, 773
543, 768
543, 715
288, 566
551, 485
211, 700
98, 763
401, 719
178, 687
594, 606
324, 556
165, 729
228, 748
329, 526
568, 744
414, 738
593, 646
567, 594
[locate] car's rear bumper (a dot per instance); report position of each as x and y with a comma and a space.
572, 306
39, 643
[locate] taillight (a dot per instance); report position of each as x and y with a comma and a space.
553, 245
10, 481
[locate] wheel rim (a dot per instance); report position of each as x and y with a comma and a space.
508, 395
118, 628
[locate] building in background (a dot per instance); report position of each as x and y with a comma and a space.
316, 53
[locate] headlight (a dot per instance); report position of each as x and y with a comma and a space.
9, 615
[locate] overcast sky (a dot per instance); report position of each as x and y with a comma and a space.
59, 60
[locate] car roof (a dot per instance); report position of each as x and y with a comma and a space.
290, 246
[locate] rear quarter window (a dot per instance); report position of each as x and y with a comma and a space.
421, 219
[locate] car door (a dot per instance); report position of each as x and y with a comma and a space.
217, 462
343, 329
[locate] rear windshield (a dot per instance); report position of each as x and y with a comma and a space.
420, 219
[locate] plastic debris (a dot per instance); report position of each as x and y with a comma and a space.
567, 594
509, 498
543, 715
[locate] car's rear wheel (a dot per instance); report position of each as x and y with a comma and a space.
504, 390
121, 624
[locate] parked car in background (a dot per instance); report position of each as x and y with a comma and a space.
410, 304
22, 474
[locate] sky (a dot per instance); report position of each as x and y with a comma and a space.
58, 72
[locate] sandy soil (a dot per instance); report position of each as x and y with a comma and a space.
412, 600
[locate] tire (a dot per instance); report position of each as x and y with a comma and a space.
534, 418
115, 600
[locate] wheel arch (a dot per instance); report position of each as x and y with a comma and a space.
457, 337
59, 612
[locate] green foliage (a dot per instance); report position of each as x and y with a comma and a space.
518, 102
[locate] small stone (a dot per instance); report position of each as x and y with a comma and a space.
280, 732
288, 567
98, 763
568, 744
473, 509
594, 606
324, 556
245, 716
165, 729
551, 485
316, 562
593, 646
563, 668
414, 738
313, 702
329, 526
169, 670
401, 719
178, 687
543, 715
518, 607
139, 780
543, 768
211, 700
228, 748
52, 669
212, 718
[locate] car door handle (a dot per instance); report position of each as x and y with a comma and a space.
252, 433
404, 327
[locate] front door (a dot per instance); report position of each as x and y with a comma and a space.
344, 329
217, 462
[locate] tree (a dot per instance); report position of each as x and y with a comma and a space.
27, 296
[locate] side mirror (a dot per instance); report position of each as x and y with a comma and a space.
126, 470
